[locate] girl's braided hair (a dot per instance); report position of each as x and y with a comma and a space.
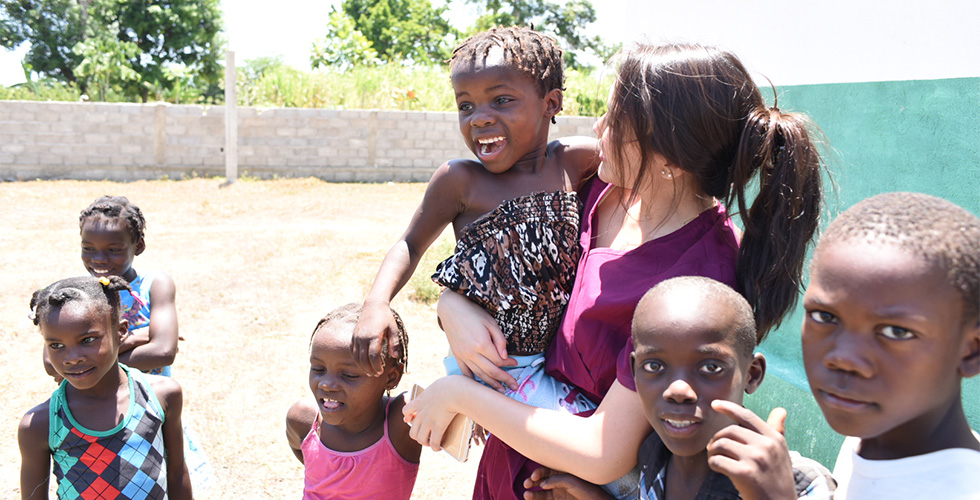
345, 317
117, 207
536, 55
104, 292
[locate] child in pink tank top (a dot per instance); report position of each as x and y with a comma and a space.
344, 436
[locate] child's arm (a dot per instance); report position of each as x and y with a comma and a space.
161, 350
444, 199
299, 421
557, 485
753, 453
35, 469
408, 448
171, 398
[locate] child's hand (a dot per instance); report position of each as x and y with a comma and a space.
476, 341
135, 339
753, 453
556, 485
374, 323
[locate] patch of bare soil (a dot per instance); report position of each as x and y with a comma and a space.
256, 264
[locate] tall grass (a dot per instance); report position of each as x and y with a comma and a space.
388, 87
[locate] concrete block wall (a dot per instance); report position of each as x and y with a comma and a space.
54, 140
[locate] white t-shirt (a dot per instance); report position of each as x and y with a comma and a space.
952, 474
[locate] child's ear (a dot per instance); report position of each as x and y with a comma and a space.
140, 246
970, 362
633, 364
554, 99
756, 372
123, 329
393, 376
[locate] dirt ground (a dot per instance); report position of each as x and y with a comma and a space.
256, 265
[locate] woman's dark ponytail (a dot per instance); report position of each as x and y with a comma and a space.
781, 221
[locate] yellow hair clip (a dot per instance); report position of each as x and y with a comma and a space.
104, 281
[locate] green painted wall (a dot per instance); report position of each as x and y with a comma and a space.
921, 136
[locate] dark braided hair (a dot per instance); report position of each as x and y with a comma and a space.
116, 207
345, 317
103, 291
536, 55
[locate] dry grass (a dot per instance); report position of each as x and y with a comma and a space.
256, 265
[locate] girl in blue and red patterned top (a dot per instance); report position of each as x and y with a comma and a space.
112, 432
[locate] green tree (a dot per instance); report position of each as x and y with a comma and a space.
344, 46
565, 21
52, 27
409, 31
166, 34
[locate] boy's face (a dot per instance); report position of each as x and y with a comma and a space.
108, 249
884, 343
502, 117
685, 357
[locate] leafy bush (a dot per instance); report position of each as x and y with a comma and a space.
267, 82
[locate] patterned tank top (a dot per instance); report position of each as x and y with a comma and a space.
125, 462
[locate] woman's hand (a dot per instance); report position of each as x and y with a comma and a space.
430, 412
476, 340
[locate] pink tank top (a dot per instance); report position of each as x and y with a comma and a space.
377, 471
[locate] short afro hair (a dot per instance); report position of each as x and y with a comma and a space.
939, 231
746, 334
103, 292
536, 55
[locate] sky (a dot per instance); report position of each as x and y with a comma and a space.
790, 42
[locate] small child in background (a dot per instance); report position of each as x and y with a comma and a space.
111, 431
514, 211
693, 360
112, 231
350, 436
892, 327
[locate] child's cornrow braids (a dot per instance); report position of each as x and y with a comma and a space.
112, 207
534, 54
345, 317
104, 291
936, 230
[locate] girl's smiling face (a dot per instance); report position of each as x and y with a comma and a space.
82, 342
502, 116
346, 396
108, 248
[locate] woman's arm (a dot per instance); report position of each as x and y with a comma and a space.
442, 202
476, 340
35, 468
599, 448
161, 350
171, 398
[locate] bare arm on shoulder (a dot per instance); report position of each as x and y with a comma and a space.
442, 202
161, 350
35, 469
299, 421
605, 444
171, 398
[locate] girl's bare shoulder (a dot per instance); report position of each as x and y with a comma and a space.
578, 156
34, 425
408, 448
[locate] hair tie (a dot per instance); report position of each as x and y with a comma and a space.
104, 281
